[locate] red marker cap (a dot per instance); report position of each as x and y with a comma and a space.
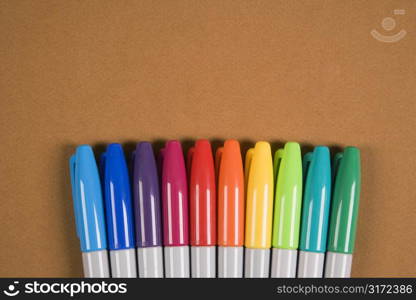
202, 195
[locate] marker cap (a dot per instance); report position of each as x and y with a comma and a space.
202, 197
316, 200
174, 195
230, 195
259, 177
146, 195
288, 200
117, 197
87, 198
345, 201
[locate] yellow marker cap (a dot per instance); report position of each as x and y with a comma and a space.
259, 183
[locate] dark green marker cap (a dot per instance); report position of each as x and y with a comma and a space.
345, 201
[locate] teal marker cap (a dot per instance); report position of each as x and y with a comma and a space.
316, 200
345, 201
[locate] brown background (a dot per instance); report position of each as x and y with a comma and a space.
95, 72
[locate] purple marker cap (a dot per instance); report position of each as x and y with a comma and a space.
146, 195
174, 196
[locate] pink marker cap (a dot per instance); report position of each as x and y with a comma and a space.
174, 195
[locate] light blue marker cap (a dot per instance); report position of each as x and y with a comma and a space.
117, 198
88, 201
316, 200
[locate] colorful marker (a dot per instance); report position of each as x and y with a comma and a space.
89, 212
230, 210
287, 209
202, 201
344, 213
259, 176
147, 211
315, 212
175, 211
119, 212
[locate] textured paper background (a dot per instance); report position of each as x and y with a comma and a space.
95, 72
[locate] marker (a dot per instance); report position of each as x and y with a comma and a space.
202, 201
175, 211
315, 212
287, 209
89, 212
230, 210
344, 213
119, 212
259, 176
147, 211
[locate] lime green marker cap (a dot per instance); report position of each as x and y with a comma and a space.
345, 201
288, 198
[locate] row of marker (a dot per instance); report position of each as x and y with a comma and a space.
175, 218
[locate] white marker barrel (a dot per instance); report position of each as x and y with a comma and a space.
311, 264
95, 264
177, 262
338, 265
150, 260
230, 262
203, 262
123, 263
257, 263
284, 263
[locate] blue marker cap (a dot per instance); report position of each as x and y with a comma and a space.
88, 201
316, 200
117, 195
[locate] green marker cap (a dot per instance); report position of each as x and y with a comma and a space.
345, 201
288, 198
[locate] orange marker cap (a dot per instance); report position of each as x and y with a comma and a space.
229, 166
